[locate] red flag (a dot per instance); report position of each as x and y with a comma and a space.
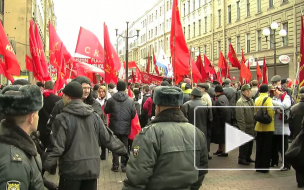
29, 63
222, 64
219, 77
148, 65
40, 53
208, 66
244, 72
138, 74
178, 46
135, 126
10, 65
301, 66
154, 62
3, 71
232, 58
133, 77
60, 81
110, 72
37, 69
199, 65
89, 45
258, 71
243, 57
265, 79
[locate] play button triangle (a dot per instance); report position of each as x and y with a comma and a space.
235, 137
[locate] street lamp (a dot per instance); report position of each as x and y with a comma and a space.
127, 37
266, 32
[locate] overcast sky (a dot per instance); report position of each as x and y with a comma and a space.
90, 14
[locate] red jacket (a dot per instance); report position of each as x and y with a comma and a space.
148, 106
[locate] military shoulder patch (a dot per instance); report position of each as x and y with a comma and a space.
135, 151
13, 185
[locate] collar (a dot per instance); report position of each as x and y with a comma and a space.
170, 115
12, 134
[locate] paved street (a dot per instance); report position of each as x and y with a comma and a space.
215, 180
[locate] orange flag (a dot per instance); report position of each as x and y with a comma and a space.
135, 126
10, 64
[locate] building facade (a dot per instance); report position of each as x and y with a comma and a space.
211, 25
16, 22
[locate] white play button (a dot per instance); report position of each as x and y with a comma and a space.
235, 137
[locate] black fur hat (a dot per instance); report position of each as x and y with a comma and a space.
168, 96
20, 100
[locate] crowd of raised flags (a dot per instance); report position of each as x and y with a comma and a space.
88, 44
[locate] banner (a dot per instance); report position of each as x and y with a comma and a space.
91, 61
146, 78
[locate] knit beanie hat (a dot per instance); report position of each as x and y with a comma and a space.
20, 100
82, 79
73, 89
263, 88
121, 85
218, 88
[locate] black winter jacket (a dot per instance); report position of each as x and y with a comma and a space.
122, 110
77, 133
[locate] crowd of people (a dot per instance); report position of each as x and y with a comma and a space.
77, 127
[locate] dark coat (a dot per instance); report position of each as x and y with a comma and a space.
231, 95
122, 110
78, 133
19, 159
296, 117
203, 115
162, 155
144, 116
49, 101
220, 117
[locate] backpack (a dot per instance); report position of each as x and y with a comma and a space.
261, 115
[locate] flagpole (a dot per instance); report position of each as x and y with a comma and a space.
190, 67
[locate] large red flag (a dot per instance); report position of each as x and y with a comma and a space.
199, 65
10, 64
222, 64
29, 63
135, 125
40, 52
89, 45
232, 58
148, 65
110, 72
208, 66
3, 71
155, 66
37, 68
133, 77
179, 50
301, 66
245, 72
265, 79
258, 71
60, 81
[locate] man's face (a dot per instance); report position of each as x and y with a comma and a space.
34, 118
246, 93
86, 90
66, 99
157, 110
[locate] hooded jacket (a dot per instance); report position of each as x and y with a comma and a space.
122, 110
20, 163
77, 133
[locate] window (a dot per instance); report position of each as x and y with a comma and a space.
2, 7
170, 4
160, 29
205, 30
219, 18
184, 5
152, 18
199, 27
228, 43
156, 31
285, 39
184, 30
193, 29
156, 14
238, 10
188, 6
271, 39
219, 2
160, 11
229, 14
259, 6
204, 2
189, 31
284, 1
151, 33
193, 5
248, 43
271, 3
238, 45
205, 49
199, 3
218, 48
167, 5
259, 40
248, 8
167, 40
